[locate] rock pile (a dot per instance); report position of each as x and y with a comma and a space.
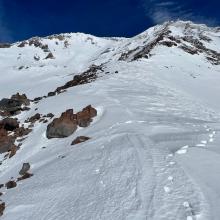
67, 123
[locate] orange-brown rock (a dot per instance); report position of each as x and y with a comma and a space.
84, 118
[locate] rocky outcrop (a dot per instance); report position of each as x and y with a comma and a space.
9, 105
144, 51
6, 141
22, 98
80, 139
21, 131
9, 131
67, 123
13, 105
33, 118
9, 124
86, 77
22, 44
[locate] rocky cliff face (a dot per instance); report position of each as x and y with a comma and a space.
111, 128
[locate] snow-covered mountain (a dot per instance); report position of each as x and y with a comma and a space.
148, 147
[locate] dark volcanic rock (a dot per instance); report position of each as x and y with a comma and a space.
168, 43
19, 132
11, 184
51, 94
50, 56
63, 126
22, 98
80, 139
86, 77
37, 99
50, 115
188, 49
6, 142
10, 105
9, 124
14, 104
24, 169
2, 208
25, 176
22, 44
33, 118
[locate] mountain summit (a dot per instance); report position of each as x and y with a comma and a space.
111, 128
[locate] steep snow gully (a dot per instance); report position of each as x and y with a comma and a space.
153, 148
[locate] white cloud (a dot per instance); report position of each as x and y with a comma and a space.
160, 11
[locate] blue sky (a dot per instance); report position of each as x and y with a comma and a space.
22, 19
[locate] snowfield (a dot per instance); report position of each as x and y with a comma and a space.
154, 151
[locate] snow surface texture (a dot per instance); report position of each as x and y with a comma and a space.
154, 149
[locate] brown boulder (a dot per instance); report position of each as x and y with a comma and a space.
63, 126
84, 118
80, 139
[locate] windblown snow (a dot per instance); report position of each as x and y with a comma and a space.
154, 147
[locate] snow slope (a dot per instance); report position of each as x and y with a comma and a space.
154, 149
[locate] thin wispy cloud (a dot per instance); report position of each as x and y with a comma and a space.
160, 11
